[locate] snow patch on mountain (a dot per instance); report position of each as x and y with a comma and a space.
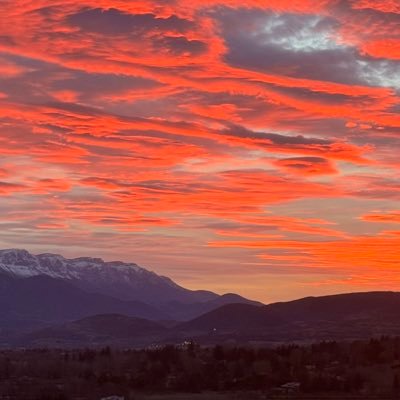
126, 281
21, 263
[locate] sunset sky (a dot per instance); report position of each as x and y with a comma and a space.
247, 146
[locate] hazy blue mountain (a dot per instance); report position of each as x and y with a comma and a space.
40, 300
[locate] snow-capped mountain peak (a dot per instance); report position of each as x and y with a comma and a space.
21, 263
127, 281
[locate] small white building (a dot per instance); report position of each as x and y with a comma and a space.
113, 398
291, 387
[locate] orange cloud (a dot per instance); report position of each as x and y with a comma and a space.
389, 217
268, 129
354, 255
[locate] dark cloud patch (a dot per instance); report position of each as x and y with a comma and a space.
239, 226
95, 84
181, 45
110, 152
329, 65
377, 188
275, 138
319, 97
54, 78
307, 165
7, 40
319, 160
115, 22
300, 46
151, 186
28, 87
47, 12
321, 127
175, 186
76, 108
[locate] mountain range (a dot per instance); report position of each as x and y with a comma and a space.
126, 281
48, 300
49, 288
350, 316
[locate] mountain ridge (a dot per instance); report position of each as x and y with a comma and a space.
120, 280
349, 316
126, 280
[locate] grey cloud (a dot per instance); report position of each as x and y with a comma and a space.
237, 130
306, 159
91, 84
115, 22
179, 45
299, 46
55, 78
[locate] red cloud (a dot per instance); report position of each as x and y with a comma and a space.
306, 166
383, 48
141, 124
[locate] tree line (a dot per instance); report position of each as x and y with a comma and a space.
364, 368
